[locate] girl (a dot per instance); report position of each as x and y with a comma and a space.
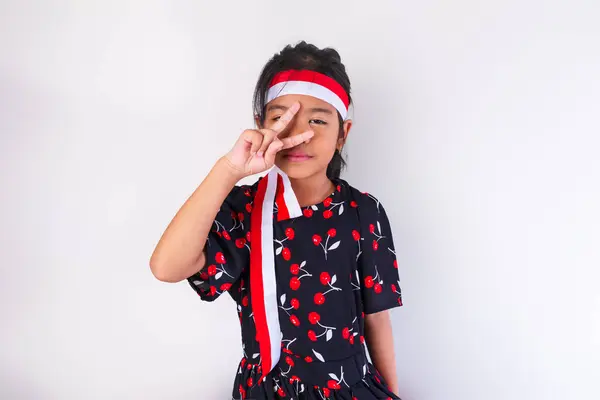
308, 259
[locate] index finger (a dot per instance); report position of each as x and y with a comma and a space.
285, 119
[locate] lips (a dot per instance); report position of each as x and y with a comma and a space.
297, 155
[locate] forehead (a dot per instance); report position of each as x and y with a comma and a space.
305, 101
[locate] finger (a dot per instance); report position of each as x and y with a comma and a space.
295, 140
268, 137
285, 119
275, 146
254, 139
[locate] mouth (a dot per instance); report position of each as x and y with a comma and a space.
297, 156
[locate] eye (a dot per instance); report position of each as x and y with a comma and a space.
318, 122
276, 118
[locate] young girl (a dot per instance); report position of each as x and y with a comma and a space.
308, 259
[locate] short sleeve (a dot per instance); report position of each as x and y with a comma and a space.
227, 248
377, 264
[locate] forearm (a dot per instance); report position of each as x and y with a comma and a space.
179, 253
380, 341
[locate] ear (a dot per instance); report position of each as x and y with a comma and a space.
346, 126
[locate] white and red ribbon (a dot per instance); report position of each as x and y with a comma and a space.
310, 83
275, 187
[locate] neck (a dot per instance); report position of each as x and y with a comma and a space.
312, 190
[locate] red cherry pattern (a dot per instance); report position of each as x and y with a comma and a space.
298, 305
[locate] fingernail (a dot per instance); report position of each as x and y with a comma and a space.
259, 154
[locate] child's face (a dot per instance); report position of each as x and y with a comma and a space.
310, 158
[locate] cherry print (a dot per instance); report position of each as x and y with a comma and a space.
225, 287
295, 269
295, 283
317, 240
345, 333
362, 274
212, 270
295, 304
248, 193
325, 278
333, 385
319, 299
295, 321
377, 288
289, 233
314, 317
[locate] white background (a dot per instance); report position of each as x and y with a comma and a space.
476, 123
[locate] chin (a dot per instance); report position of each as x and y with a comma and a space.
297, 170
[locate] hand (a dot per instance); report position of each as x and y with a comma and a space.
255, 149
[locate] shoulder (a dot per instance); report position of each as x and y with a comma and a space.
365, 201
241, 196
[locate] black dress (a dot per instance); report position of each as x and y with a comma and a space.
334, 264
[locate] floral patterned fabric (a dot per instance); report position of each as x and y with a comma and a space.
334, 264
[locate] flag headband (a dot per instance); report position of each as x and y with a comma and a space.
310, 83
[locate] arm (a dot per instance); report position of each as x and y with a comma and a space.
380, 342
179, 253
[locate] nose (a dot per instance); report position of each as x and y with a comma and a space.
296, 126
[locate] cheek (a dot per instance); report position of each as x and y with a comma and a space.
326, 138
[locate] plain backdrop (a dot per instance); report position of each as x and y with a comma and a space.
476, 124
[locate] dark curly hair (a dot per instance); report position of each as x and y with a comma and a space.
309, 57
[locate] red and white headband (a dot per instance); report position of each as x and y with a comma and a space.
310, 83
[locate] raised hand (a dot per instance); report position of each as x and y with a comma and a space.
256, 149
